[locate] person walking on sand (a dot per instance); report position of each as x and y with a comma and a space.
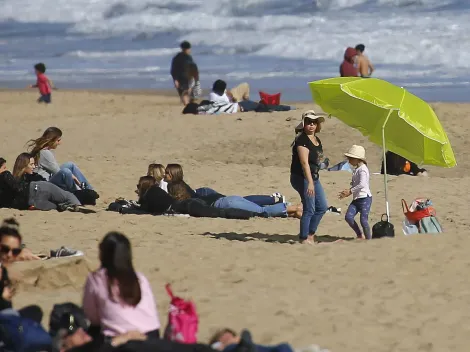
364, 66
43, 83
360, 190
307, 155
179, 66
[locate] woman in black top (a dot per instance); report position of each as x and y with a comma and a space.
307, 155
24, 189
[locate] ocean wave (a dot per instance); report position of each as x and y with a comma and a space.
120, 54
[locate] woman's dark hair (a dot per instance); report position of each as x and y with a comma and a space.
47, 140
178, 190
10, 227
145, 182
2, 162
116, 258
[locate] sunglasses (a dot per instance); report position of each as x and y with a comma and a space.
4, 249
308, 121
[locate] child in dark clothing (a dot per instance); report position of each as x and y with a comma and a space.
43, 83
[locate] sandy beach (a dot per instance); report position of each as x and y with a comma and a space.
402, 294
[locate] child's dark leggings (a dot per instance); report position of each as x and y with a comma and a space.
362, 206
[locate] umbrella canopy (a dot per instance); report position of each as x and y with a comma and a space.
389, 115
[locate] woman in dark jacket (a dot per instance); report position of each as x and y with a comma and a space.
28, 190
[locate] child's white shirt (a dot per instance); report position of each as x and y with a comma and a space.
360, 187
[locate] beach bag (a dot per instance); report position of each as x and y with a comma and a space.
383, 228
19, 334
419, 209
270, 99
409, 228
87, 196
429, 224
182, 320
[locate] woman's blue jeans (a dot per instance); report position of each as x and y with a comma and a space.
257, 199
64, 179
313, 207
237, 202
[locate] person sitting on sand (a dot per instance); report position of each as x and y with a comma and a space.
398, 165
174, 174
360, 190
364, 66
43, 83
67, 176
116, 297
220, 93
28, 190
227, 340
347, 68
157, 171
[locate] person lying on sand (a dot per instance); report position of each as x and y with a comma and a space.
255, 203
227, 340
207, 107
157, 171
398, 165
154, 200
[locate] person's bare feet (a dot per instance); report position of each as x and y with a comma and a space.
309, 240
362, 237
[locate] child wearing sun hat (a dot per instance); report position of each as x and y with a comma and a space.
360, 190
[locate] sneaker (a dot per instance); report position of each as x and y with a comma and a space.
65, 252
334, 210
278, 197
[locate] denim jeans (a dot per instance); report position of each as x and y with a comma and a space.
257, 199
237, 202
360, 205
313, 207
64, 179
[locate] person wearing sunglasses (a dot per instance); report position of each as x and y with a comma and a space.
10, 249
307, 156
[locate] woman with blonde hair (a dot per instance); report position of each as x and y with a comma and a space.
157, 171
33, 192
67, 176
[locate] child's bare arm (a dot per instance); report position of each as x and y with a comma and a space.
51, 84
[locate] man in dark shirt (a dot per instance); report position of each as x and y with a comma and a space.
178, 70
8, 186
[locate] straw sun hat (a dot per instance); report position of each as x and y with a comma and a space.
356, 152
312, 115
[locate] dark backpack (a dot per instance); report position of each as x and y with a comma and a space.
383, 228
19, 334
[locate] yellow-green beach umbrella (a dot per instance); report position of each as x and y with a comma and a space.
389, 115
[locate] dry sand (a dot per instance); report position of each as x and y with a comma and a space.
405, 294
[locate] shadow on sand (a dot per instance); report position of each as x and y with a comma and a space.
276, 238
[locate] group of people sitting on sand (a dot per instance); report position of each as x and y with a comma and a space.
118, 310
38, 182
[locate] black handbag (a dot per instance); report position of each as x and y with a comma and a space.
383, 228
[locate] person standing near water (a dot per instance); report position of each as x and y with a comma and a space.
179, 67
364, 66
307, 155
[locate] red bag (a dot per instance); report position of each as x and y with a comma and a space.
182, 320
416, 215
270, 99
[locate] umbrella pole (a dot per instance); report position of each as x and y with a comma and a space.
387, 207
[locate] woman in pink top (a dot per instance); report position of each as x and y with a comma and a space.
116, 297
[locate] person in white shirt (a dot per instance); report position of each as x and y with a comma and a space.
360, 190
220, 94
157, 171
